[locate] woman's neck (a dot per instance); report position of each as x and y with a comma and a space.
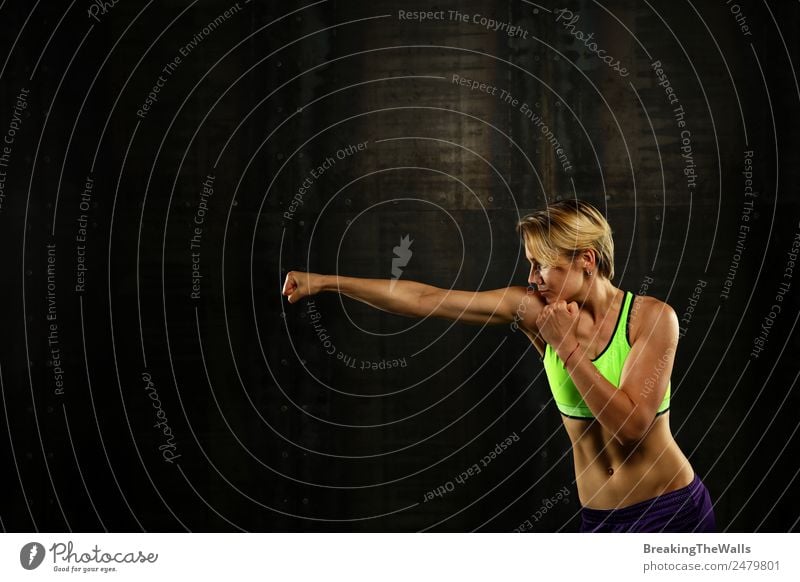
598, 298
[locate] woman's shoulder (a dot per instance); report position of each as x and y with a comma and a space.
648, 315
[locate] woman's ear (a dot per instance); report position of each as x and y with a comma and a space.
589, 257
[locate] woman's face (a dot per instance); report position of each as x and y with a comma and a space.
562, 280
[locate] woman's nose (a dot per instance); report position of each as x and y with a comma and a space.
535, 276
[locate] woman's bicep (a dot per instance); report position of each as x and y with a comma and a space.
496, 307
647, 369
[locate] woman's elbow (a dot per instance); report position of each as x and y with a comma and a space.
633, 431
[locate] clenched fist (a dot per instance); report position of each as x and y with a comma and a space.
299, 285
556, 323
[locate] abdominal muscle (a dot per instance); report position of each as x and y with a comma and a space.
611, 475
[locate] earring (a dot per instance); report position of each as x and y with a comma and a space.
589, 273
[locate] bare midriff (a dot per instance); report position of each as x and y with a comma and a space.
612, 475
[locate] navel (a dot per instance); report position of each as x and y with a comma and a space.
610, 470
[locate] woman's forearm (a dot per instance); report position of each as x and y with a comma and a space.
612, 407
392, 295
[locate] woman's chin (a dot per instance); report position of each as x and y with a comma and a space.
549, 296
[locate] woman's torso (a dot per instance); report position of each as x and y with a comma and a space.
607, 473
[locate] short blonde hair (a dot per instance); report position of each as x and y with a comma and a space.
568, 227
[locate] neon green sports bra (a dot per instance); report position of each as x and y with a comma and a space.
609, 363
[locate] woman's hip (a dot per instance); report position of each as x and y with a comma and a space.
688, 509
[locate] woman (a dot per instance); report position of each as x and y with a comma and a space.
608, 356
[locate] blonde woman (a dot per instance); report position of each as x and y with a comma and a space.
608, 355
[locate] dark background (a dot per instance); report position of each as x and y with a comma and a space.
273, 433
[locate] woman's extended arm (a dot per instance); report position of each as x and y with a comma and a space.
413, 299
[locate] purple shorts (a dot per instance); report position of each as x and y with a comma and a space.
687, 509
